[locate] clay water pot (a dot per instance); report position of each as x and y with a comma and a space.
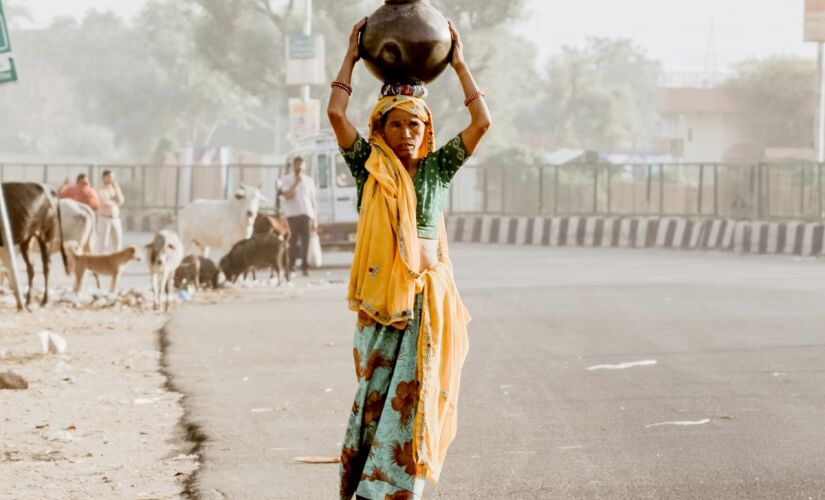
406, 41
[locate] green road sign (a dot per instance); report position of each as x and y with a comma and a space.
5, 42
8, 72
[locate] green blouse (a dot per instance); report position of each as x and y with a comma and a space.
431, 180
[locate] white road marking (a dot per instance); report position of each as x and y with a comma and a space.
624, 366
569, 447
685, 423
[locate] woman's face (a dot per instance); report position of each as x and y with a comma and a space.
404, 133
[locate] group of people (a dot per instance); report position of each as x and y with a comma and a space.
105, 201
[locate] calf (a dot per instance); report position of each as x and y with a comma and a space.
198, 270
271, 224
163, 255
259, 252
34, 214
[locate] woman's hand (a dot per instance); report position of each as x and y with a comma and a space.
352, 51
457, 61
479, 114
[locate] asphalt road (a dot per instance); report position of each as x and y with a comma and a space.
734, 406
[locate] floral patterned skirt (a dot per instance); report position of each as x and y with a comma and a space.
377, 456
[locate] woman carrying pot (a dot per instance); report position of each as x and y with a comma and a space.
411, 335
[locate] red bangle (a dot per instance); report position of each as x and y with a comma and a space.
472, 97
343, 86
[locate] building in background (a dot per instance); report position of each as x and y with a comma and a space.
702, 125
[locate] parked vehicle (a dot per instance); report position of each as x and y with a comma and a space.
337, 195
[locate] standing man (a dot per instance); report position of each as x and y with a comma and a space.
298, 190
109, 227
81, 192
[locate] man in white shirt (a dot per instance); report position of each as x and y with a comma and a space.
298, 191
109, 228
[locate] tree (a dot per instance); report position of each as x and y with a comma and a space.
230, 31
103, 88
481, 14
598, 96
778, 100
42, 114
197, 98
150, 82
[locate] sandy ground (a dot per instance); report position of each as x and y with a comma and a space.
100, 420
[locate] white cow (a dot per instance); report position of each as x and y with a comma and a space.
78, 225
219, 223
78, 222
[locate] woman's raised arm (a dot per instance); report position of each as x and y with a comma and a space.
345, 131
480, 119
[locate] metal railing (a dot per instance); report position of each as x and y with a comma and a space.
155, 188
739, 191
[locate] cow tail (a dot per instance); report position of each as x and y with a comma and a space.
62, 245
93, 241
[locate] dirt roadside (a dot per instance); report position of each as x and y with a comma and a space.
99, 420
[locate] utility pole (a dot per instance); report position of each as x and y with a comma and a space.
8, 244
814, 31
8, 74
820, 116
307, 32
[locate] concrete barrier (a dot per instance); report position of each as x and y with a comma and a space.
759, 237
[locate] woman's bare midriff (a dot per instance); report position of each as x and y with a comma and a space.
429, 254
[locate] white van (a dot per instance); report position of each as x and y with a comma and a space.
337, 194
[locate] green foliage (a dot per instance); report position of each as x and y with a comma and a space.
510, 91
194, 98
102, 88
186, 68
226, 35
244, 41
481, 14
599, 96
778, 100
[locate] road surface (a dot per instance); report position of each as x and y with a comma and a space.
593, 373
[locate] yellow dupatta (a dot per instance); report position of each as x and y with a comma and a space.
384, 280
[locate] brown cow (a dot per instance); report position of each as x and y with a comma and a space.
34, 214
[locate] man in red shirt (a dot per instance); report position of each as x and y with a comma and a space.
81, 192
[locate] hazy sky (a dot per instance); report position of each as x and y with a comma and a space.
676, 32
